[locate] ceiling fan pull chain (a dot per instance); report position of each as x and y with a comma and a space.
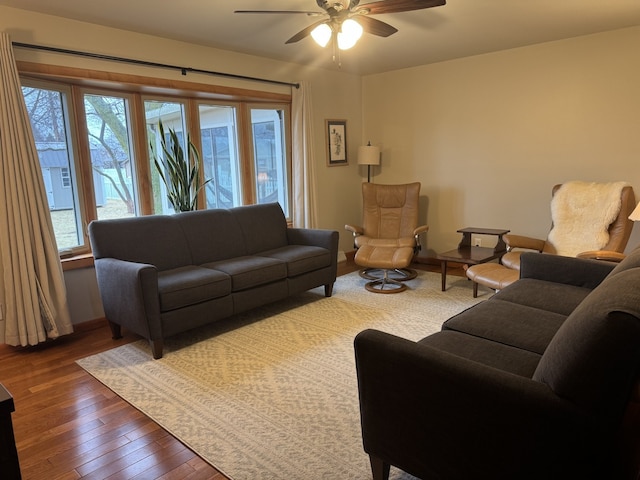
334, 43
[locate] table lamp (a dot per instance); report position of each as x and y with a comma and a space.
368, 155
635, 215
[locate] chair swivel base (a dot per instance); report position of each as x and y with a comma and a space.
386, 260
385, 285
397, 274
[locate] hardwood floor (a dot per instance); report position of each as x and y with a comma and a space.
68, 425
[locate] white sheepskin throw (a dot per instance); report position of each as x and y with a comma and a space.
581, 214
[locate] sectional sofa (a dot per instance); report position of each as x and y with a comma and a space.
538, 382
160, 275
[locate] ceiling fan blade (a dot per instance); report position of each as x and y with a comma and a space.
305, 32
375, 27
395, 6
311, 14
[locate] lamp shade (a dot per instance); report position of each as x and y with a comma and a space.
369, 155
635, 215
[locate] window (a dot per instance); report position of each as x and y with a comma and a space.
48, 110
109, 139
219, 138
171, 114
93, 138
66, 177
270, 157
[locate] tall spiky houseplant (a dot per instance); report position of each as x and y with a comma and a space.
180, 173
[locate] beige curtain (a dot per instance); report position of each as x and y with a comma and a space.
32, 289
303, 164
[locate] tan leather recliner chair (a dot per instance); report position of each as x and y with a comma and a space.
499, 276
619, 233
389, 237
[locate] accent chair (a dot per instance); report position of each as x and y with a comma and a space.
389, 237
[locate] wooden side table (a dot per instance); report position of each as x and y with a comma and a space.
9, 465
470, 255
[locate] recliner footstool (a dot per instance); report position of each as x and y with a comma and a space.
492, 275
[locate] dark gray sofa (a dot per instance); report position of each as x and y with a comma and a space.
160, 275
533, 383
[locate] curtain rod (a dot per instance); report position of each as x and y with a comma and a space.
183, 70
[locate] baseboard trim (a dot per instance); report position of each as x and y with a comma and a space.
89, 325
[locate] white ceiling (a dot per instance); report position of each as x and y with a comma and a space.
459, 29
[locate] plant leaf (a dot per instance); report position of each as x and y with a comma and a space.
179, 173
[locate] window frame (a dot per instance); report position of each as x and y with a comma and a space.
79, 95
76, 172
248, 107
197, 135
77, 82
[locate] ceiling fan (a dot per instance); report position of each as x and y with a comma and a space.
339, 22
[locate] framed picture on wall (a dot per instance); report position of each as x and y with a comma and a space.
336, 141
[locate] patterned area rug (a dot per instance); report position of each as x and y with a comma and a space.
272, 394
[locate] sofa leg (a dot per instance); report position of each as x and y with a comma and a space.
156, 348
328, 289
116, 330
379, 468
475, 289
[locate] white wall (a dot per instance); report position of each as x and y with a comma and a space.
488, 136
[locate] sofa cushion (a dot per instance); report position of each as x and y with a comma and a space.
300, 258
189, 285
551, 296
212, 235
264, 227
250, 271
595, 353
496, 355
518, 326
142, 240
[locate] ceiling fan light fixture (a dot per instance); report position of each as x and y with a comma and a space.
321, 34
350, 32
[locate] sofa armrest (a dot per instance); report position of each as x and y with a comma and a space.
313, 236
129, 293
580, 272
437, 415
